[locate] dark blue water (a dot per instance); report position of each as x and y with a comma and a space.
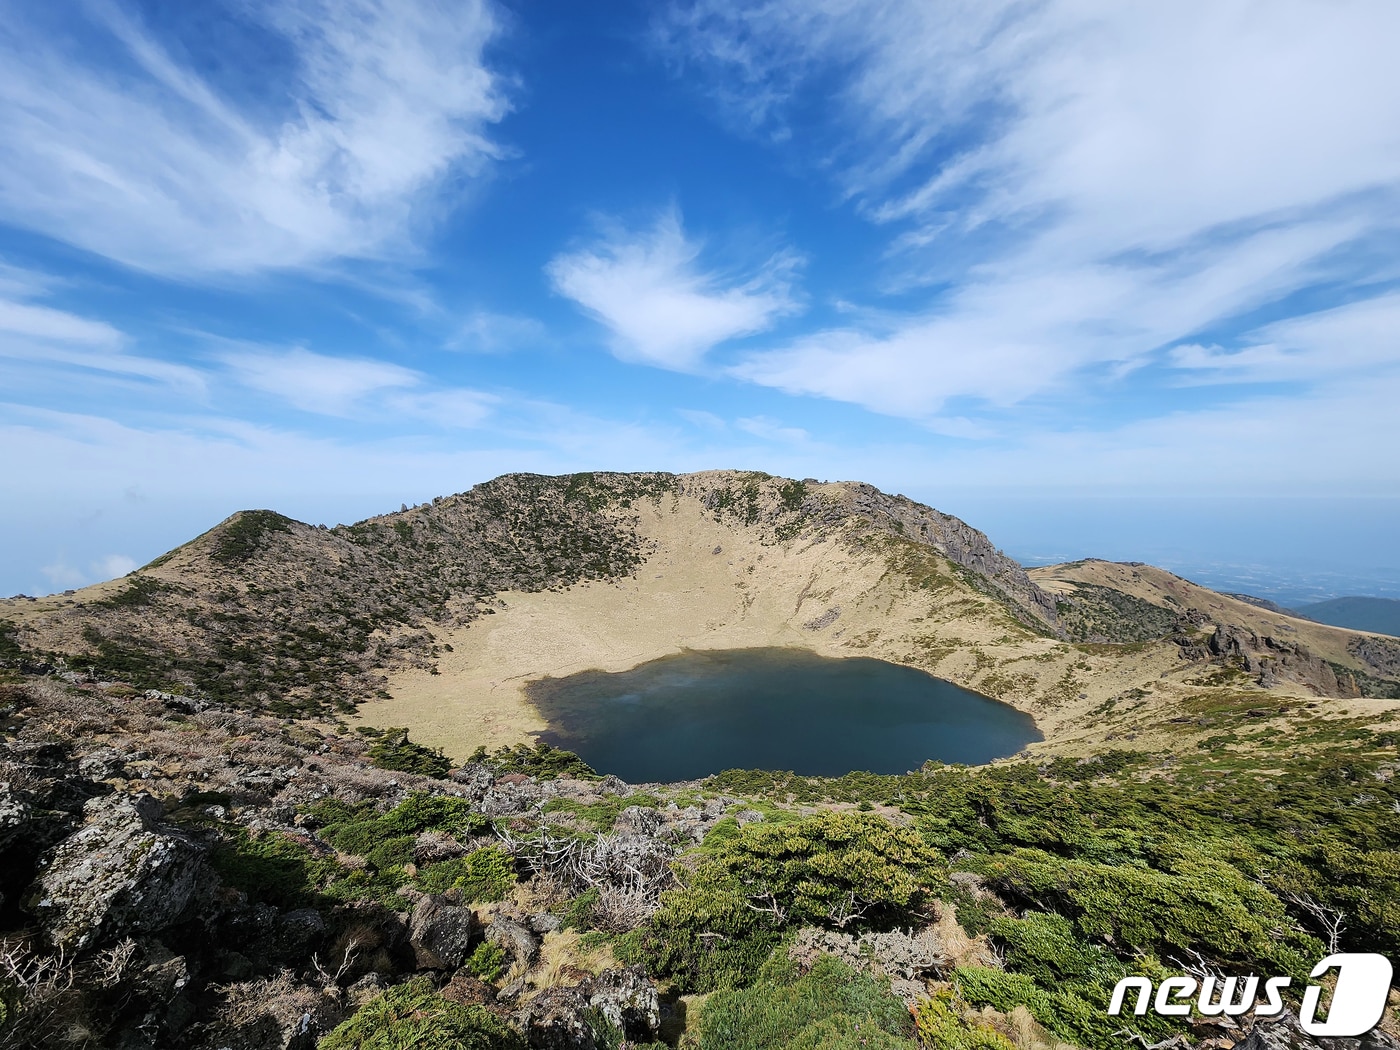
684, 717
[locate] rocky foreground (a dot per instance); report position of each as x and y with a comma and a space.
176, 874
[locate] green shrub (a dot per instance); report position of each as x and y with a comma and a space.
601, 815
833, 869
996, 988
1046, 946
704, 938
939, 1026
543, 761
834, 1007
829, 869
486, 874
392, 853
1198, 903
276, 869
1075, 1013
272, 869
579, 914
394, 751
247, 534
412, 1016
488, 961
362, 829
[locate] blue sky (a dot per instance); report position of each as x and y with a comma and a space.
1003, 257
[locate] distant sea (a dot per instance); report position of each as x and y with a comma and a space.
1293, 551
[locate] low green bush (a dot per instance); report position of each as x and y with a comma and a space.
411, 1016
273, 869
831, 869
1198, 903
835, 869
361, 829
601, 815
486, 874
834, 1007
1077, 1013
704, 938
488, 961
579, 914
1047, 947
940, 1026
543, 761
394, 751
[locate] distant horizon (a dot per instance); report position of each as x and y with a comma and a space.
1291, 551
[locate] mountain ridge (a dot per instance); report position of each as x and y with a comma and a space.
436, 616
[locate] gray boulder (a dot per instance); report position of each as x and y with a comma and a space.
120, 874
15, 817
1282, 1033
475, 777
515, 937
440, 933
567, 1018
557, 1020
628, 1000
638, 820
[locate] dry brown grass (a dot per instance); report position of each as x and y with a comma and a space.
563, 961
961, 949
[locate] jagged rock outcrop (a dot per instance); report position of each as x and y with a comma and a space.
122, 873
1272, 660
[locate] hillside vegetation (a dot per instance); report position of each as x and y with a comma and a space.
200, 852
185, 876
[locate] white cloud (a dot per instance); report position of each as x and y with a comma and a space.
1090, 182
772, 430
48, 339
359, 388
113, 565
142, 160
660, 306
446, 408
61, 575
485, 332
42, 322
332, 386
1357, 337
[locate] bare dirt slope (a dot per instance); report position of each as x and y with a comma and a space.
838, 591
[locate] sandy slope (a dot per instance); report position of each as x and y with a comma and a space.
749, 594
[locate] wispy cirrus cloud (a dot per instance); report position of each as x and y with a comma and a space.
1079, 186
1359, 337
36, 338
662, 308
124, 147
361, 388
